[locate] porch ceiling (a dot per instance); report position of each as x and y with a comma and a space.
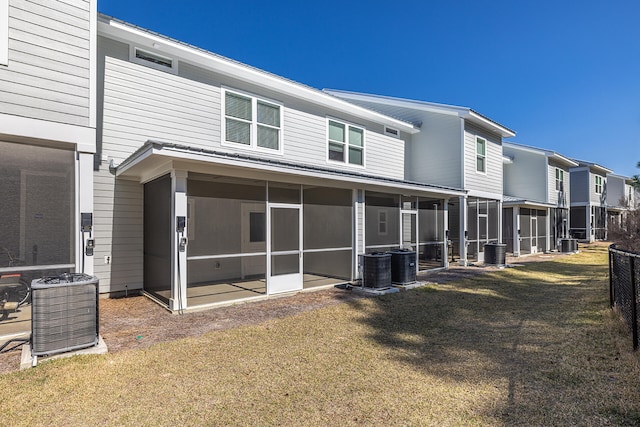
155, 159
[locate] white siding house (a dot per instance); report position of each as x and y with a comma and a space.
219, 182
620, 197
457, 147
536, 198
589, 201
47, 136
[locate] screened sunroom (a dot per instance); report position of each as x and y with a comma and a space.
219, 233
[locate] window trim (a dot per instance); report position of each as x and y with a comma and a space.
253, 133
4, 32
347, 125
483, 156
598, 185
133, 57
560, 173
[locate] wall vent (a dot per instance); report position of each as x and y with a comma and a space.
392, 132
153, 58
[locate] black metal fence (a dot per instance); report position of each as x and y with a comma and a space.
624, 281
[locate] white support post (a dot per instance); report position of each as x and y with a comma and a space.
548, 233
358, 230
84, 262
445, 226
463, 230
500, 222
516, 231
178, 299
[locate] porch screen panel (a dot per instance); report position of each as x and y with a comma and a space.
525, 230
542, 230
454, 228
227, 229
472, 228
507, 228
157, 238
432, 248
328, 235
492, 219
382, 221
37, 210
578, 219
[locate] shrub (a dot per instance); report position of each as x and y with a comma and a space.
626, 235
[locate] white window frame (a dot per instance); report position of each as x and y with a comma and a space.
559, 178
598, 184
133, 57
4, 32
483, 156
347, 125
253, 138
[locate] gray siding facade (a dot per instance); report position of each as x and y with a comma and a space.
491, 180
48, 75
526, 177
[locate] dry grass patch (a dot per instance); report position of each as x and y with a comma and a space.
533, 345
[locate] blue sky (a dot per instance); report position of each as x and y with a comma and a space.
564, 75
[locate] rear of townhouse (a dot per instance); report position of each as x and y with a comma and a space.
589, 201
219, 182
202, 181
536, 201
456, 147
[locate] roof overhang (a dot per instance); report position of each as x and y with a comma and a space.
155, 159
594, 167
462, 112
544, 152
515, 201
128, 33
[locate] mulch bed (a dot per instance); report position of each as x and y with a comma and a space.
137, 322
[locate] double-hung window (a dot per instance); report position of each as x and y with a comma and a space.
559, 179
346, 143
481, 155
252, 122
4, 32
598, 184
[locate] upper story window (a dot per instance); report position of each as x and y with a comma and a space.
481, 154
346, 143
559, 179
598, 184
253, 122
4, 32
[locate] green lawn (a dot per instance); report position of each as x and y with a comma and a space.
532, 345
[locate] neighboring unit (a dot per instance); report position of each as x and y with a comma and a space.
47, 136
589, 201
621, 197
456, 147
536, 199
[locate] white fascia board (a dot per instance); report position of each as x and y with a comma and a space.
561, 159
178, 154
23, 127
218, 64
464, 112
399, 102
506, 160
477, 118
485, 195
549, 153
